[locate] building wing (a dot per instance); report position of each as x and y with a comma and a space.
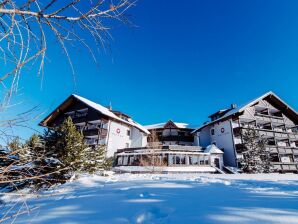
289, 111
101, 109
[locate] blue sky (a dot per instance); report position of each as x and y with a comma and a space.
182, 61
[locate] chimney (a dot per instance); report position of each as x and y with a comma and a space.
110, 106
233, 106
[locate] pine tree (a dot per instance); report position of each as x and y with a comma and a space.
94, 158
256, 159
68, 146
71, 145
65, 145
36, 147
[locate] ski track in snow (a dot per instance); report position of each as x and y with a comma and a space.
171, 198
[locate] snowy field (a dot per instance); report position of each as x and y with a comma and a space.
175, 198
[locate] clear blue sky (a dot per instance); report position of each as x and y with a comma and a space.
183, 61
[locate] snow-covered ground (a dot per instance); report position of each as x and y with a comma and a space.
171, 198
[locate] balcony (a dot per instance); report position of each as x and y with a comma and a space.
90, 132
267, 134
269, 118
237, 141
293, 136
272, 149
235, 124
95, 132
76, 120
285, 151
293, 166
91, 141
282, 150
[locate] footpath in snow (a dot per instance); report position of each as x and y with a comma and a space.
167, 198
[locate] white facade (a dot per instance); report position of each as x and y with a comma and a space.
271, 117
123, 136
221, 135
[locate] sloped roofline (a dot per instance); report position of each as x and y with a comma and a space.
178, 125
243, 107
103, 110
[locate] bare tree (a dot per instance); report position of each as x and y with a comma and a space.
26, 27
153, 157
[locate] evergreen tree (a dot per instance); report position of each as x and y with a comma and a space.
71, 145
52, 158
36, 147
94, 158
65, 147
256, 159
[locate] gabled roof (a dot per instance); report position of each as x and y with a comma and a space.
163, 125
103, 110
213, 149
240, 109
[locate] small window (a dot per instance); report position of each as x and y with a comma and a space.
127, 145
128, 132
212, 131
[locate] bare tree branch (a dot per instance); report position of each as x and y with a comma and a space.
25, 28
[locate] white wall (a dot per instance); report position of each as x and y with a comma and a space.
138, 138
117, 138
223, 136
205, 138
196, 139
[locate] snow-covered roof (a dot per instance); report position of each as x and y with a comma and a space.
103, 110
161, 125
212, 149
108, 113
244, 106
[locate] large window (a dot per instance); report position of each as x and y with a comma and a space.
178, 159
193, 160
119, 161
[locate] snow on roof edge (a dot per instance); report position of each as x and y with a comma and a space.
108, 113
161, 125
242, 108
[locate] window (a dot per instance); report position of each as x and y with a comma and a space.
193, 160
212, 131
119, 161
128, 132
125, 161
286, 159
127, 145
274, 157
206, 161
